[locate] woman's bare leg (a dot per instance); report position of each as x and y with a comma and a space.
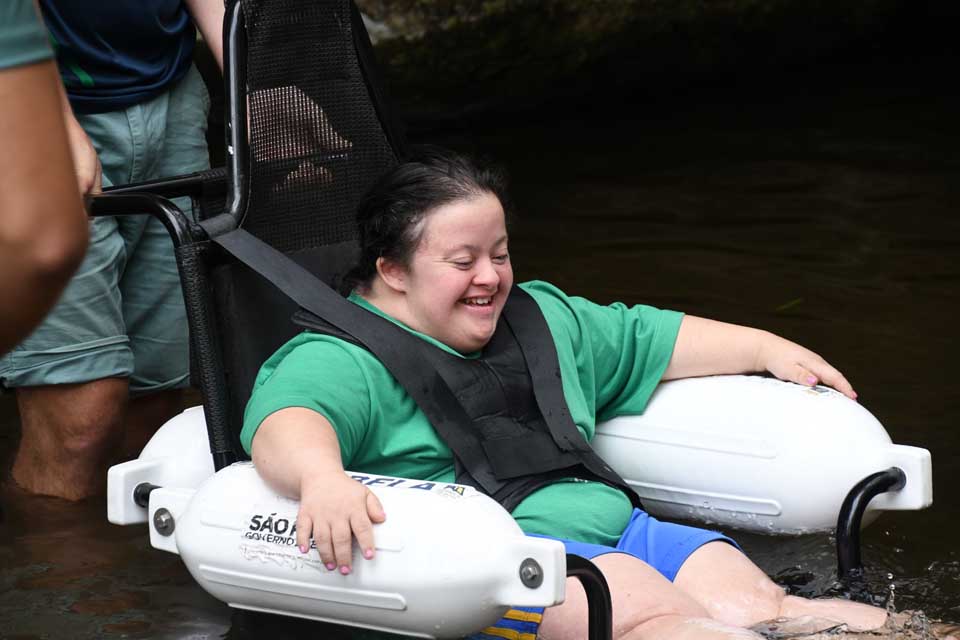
734, 590
646, 606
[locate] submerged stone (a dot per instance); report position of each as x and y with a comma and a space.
907, 625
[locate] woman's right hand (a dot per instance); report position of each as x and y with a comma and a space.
297, 453
334, 509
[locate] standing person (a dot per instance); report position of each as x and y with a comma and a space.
109, 363
43, 227
516, 380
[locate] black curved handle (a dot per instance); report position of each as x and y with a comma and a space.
849, 565
599, 603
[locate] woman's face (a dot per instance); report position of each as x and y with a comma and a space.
460, 274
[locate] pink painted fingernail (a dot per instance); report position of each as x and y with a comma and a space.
811, 380
303, 548
368, 553
331, 566
344, 570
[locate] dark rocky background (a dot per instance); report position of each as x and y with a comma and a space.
447, 58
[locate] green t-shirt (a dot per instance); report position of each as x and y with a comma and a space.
23, 39
611, 359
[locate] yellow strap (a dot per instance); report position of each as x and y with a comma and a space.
524, 616
509, 634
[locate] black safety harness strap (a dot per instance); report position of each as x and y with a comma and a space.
540, 353
506, 470
543, 363
434, 396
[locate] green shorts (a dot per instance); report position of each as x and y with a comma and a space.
122, 314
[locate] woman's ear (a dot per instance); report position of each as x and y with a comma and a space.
393, 274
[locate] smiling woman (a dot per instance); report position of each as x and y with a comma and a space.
438, 262
457, 282
522, 374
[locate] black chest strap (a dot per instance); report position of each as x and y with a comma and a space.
506, 468
376, 334
477, 407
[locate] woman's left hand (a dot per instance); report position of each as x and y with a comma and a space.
789, 361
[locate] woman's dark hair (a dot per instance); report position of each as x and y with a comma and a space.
390, 216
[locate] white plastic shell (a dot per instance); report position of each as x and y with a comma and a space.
757, 454
447, 563
741, 451
178, 455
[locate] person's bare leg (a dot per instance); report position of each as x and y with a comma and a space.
735, 591
145, 415
70, 434
646, 606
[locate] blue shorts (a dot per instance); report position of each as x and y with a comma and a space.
665, 546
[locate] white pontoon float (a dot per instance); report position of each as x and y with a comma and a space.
743, 452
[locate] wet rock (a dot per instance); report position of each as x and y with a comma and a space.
115, 603
128, 627
945, 629
804, 627
907, 625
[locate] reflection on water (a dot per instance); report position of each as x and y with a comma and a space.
67, 573
825, 213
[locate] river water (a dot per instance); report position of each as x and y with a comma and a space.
821, 206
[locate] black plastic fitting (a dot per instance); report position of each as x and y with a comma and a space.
599, 602
849, 564
141, 493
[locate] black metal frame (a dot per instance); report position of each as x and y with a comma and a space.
849, 565
191, 242
238, 147
126, 200
191, 184
191, 246
599, 601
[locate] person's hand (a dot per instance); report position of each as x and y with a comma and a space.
789, 361
86, 162
298, 125
334, 509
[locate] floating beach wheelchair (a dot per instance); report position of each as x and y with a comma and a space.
737, 451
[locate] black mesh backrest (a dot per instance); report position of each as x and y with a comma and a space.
318, 141
316, 138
